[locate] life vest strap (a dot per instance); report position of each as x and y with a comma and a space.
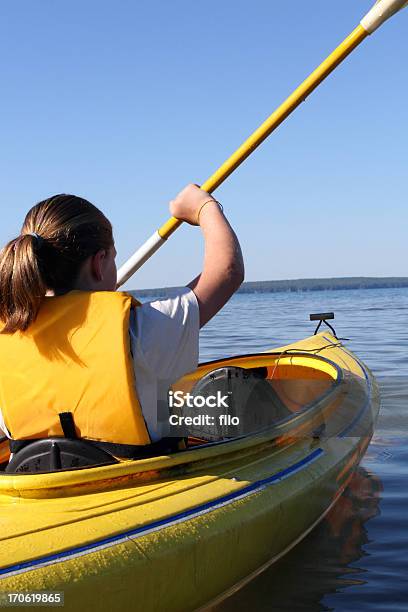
67, 424
130, 451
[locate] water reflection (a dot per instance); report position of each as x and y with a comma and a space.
324, 563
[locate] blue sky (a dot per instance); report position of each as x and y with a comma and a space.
125, 102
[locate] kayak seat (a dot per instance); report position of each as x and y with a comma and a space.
53, 454
248, 396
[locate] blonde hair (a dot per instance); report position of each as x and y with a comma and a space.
57, 236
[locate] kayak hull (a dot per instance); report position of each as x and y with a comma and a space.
177, 532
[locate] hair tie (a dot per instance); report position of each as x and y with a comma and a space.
39, 239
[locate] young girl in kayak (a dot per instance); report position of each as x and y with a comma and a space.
78, 358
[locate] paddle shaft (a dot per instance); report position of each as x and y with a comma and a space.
378, 14
278, 116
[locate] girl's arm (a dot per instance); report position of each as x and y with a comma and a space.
223, 267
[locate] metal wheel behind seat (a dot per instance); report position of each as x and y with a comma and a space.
53, 454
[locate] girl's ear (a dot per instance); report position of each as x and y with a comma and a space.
97, 265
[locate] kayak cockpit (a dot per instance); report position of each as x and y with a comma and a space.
328, 397
221, 401
239, 396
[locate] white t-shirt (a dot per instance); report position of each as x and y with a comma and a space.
164, 343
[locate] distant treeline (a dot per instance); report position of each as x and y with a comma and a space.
302, 284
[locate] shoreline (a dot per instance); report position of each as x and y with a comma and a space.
300, 285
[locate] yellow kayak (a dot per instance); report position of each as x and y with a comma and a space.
178, 532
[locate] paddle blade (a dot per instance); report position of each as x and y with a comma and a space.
380, 12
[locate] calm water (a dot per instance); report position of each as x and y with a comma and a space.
357, 559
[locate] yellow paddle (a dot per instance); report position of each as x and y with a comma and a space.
378, 14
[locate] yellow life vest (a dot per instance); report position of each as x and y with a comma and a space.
74, 358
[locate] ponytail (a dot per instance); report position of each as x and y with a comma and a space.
57, 236
22, 286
